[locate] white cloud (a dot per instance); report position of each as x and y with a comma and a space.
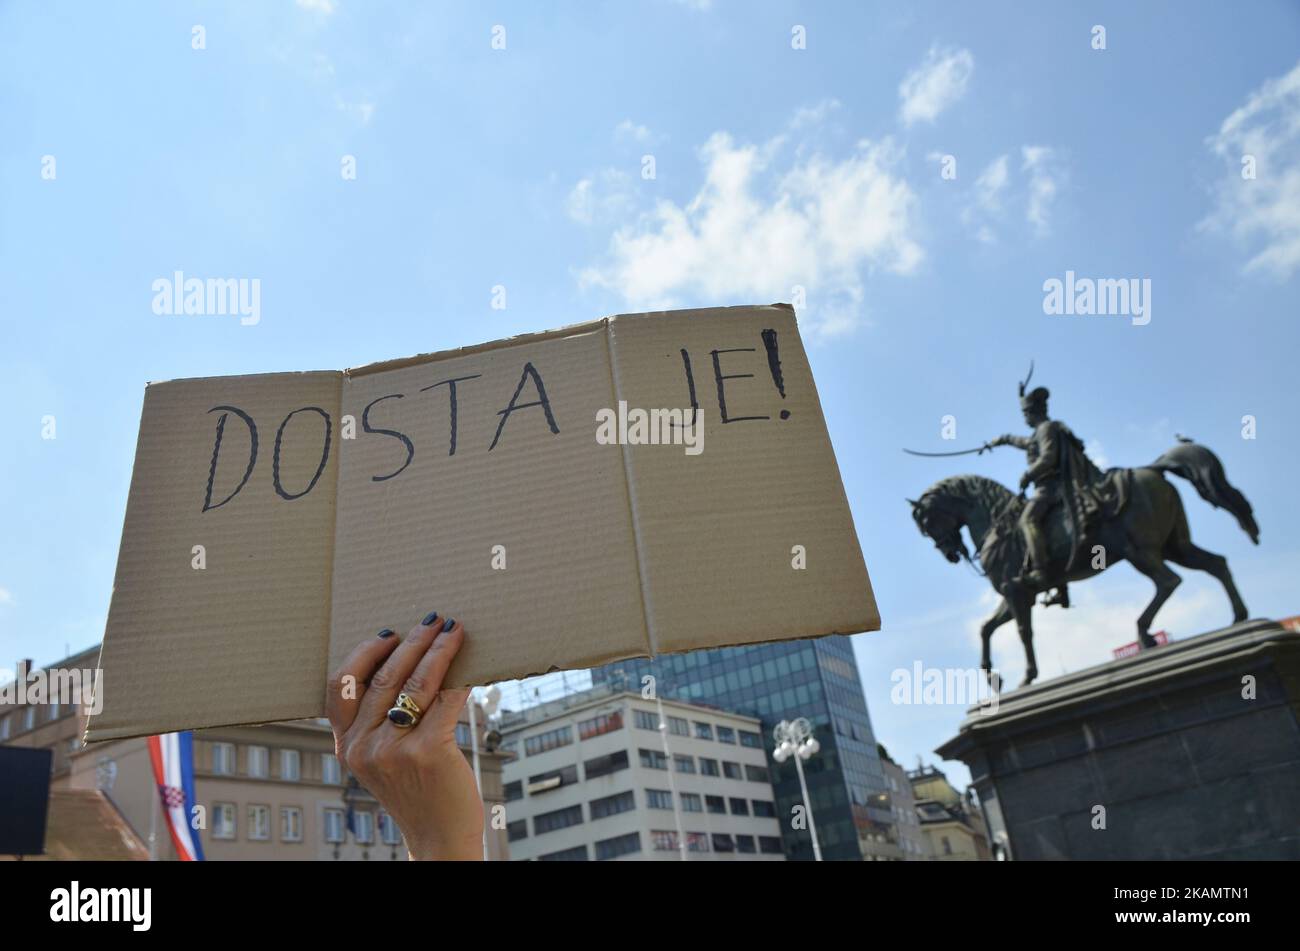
1096, 623
323, 7
934, 85
364, 111
6, 596
604, 198
756, 228
627, 130
990, 187
1046, 174
1097, 453
814, 115
1263, 212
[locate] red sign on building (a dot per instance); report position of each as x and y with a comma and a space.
1128, 650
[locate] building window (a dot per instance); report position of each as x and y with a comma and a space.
550, 740
691, 802
388, 830
947, 846
290, 765
764, 808
334, 827
745, 844
709, 767
259, 762
54, 711
363, 827
514, 791
290, 824
223, 820
757, 774
559, 819
653, 759
663, 841
330, 772
716, 804
259, 823
517, 830
223, 759
731, 770
604, 765
29, 717
769, 844
739, 807
697, 842
678, 727
726, 735
751, 739
4, 727
576, 854
612, 805
645, 720
597, 726
619, 845
684, 764
658, 799
703, 731
723, 843
552, 779
463, 737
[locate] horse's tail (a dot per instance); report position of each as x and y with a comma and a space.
1203, 470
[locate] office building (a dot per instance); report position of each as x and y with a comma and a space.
596, 778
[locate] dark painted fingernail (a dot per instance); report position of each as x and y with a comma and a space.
451, 622
430, 618
387, 632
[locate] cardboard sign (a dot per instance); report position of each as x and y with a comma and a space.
638, 485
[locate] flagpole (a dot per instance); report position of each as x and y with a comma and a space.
153, 821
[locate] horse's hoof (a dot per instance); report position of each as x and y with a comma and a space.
1029, 679
1146, 641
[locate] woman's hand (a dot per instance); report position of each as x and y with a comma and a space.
418, 774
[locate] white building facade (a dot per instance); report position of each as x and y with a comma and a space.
591, 780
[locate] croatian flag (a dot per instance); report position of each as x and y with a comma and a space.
172, 755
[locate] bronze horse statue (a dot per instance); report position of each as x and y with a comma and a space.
1147, 526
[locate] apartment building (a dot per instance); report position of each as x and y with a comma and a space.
952, 821
596, 778
274, 791
913, 846
816, 679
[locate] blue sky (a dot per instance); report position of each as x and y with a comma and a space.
774, 168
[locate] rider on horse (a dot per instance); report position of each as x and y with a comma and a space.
1061, 472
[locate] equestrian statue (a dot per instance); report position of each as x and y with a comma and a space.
1078, 522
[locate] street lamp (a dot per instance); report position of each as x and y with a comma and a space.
796, 739
491, 700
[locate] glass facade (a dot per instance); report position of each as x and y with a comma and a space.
816, 679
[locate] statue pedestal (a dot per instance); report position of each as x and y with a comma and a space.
1166, 742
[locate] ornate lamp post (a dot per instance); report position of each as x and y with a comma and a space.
795, 738
488, 706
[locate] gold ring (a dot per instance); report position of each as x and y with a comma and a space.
405, 712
